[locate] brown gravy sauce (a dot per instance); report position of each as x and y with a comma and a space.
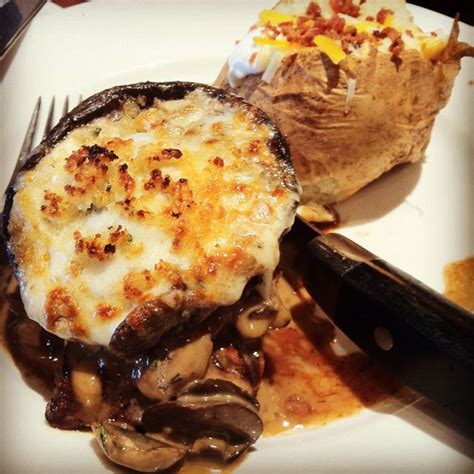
459, 282
307, 382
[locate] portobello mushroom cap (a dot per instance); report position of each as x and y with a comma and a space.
141, 320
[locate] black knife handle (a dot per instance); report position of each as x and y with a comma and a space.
426, 340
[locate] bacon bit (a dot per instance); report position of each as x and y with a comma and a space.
106, 311
253, 57
74, 190
382, 15
218, 161
370, 18
210, 141
307, 29
397, 45
351, 37
313, 10
346, 7
51, 207
60, 309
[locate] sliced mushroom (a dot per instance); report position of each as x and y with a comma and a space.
241, 363
208, 411
254, 321
212, 446
134, 450
262, 309
164, 378
202, 392
144, 327
87, 388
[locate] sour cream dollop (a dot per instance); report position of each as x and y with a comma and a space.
247, 58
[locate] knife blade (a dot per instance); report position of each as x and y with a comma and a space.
413, 331
15, 15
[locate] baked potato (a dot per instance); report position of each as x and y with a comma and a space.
355, 87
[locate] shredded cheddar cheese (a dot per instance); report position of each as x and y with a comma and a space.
275, 43
432, 46
275, 18
330, 47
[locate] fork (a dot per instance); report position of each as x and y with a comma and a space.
27, 145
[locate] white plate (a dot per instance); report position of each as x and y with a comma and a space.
418, 217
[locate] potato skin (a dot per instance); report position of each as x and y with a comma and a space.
336, 149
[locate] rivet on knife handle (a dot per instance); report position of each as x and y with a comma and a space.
426, 340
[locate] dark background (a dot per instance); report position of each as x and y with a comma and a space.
450, 8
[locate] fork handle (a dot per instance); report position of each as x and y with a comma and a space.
420, 336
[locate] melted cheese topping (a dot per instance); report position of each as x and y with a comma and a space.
183, 201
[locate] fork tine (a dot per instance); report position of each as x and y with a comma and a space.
65, 106
30, 135
49, 120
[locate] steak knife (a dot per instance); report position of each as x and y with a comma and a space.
413, 331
